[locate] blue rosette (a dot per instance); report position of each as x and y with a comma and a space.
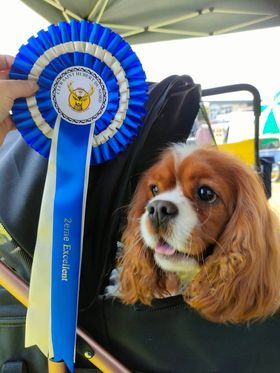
87, 110
89, 46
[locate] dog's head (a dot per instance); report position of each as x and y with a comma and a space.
203, 215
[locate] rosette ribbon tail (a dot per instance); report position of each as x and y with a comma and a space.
53, 299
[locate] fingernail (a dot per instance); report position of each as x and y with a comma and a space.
33, 85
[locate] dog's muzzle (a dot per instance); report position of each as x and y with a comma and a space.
160, 212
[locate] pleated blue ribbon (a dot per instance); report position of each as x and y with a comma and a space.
88, 109
73, 155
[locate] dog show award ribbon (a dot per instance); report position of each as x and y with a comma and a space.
88, 108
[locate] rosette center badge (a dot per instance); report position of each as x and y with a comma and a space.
79, 95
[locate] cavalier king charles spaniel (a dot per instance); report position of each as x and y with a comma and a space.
200, 225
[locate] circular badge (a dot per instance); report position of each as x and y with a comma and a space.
86, 73
79, 95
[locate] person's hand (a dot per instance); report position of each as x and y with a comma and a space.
9, 91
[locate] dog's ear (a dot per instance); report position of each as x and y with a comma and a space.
241, 280
140, 278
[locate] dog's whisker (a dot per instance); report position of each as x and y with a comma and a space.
207, 219
135, 243
217, 243
133, 219
123, 208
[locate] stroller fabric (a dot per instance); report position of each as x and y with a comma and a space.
170, 112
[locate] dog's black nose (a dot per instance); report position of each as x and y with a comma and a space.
160, 212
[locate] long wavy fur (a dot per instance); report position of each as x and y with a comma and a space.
240, 281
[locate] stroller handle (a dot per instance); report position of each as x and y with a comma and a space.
256, 108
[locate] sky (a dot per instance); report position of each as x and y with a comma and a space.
246, 57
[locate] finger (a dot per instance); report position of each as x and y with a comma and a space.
6, 104
6, 126
6, 62
17, 88
9, 124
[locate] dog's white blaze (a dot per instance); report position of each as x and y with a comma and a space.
181, 226
181, 151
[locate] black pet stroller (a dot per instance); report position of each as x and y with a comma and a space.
167, 337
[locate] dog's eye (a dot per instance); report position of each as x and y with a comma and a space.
206, 194
154, 189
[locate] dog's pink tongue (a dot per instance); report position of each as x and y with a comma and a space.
164, 249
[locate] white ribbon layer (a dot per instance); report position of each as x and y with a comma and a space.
38, 313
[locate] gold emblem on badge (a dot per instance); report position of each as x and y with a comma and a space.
79, 98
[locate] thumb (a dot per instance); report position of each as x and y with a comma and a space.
18, 88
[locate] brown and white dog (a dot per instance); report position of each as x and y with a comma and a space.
199, 224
